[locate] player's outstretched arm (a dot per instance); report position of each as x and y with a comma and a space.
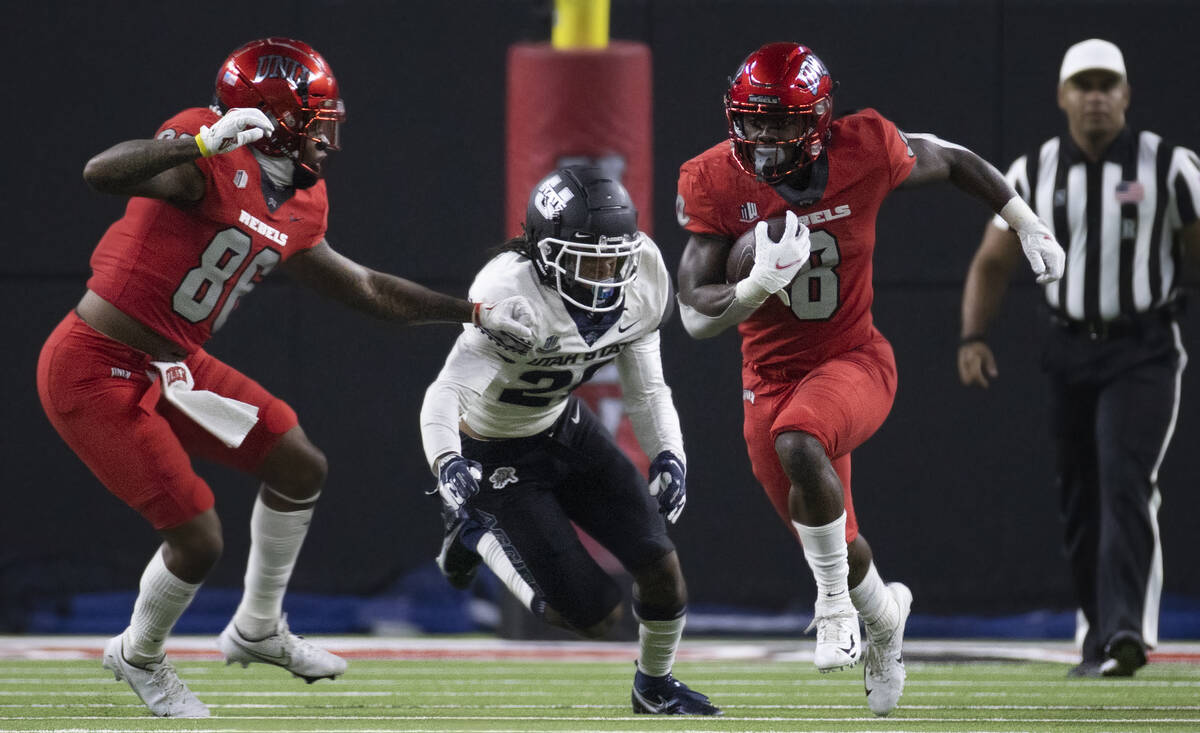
938, 160
396, 299
162, 169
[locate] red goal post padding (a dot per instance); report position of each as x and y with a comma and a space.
578, 105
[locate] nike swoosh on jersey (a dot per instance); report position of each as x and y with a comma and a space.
626, 326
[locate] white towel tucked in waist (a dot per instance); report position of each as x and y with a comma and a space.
228, 419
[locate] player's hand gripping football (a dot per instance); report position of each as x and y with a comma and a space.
458, 480
508, 322
237, 127
1044, 253
776, 263
668, 484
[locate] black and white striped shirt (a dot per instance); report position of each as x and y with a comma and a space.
1117, 219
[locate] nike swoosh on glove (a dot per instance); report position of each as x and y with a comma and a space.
458, 480
508, 322
237, 127
668, 484
775, 263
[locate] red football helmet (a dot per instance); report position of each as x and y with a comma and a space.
780, 87
293, 84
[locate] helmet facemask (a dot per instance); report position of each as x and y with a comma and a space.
317, 126
591, 272
772, 142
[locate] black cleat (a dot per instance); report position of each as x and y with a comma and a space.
1085, 669
668, 696
458, 563
1126, 655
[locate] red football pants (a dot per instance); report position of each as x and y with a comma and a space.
99, 398
841, 403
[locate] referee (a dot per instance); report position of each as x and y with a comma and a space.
1124, 204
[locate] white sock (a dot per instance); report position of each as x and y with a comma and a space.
275, 540
657, 643
875, 605
162, 599
827, 556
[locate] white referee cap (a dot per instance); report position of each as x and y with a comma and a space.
1093, 53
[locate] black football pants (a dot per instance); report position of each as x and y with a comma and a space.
1113, 408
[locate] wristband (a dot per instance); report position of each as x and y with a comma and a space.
203, 150
1018, 215
972, 338
748, 292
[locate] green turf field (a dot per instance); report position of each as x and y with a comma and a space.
594, 696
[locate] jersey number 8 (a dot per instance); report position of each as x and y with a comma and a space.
814, 292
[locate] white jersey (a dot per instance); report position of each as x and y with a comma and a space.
500, 394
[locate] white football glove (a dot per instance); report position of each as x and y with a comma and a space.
1045, 254
775, 263
508, 322
237, 127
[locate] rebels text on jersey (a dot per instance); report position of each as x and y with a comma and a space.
831, 297
529, 392
182, 268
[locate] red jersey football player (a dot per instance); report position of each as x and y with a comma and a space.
219, 198
818, 378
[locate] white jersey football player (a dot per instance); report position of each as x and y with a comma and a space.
519, 459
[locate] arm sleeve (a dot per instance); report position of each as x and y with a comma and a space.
1185, 185
1017, 177
647, 398
469, 369
701, 326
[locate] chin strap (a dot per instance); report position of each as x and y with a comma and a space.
281, 170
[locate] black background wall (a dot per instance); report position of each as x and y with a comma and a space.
955, 491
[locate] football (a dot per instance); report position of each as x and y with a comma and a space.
741, 254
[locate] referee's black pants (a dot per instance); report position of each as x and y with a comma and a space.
1114, 401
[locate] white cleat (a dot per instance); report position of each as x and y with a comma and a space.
883, 669
838, 640
157, 684
283, 649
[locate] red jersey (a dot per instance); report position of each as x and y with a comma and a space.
182, 268
831, 296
